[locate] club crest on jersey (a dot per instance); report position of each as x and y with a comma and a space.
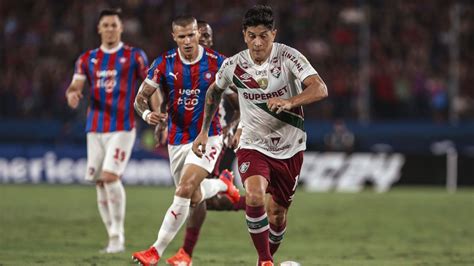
208, 76
244, 167
276, 71
263, 83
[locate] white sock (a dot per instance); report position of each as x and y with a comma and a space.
210, 188
103, 206
174, 218
116, 199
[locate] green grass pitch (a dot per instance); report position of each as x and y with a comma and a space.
60, 225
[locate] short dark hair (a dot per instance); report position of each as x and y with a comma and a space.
110, 12
183, 20
259, 15
202, 22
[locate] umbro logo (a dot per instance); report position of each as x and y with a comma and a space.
175, 76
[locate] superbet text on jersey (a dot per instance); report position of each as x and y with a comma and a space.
280, 135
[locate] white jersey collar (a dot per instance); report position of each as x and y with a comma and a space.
111, 50
187, 62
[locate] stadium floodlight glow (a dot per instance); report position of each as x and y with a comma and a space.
448, 147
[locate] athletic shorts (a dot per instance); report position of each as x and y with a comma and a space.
183, 154
108, 152
282, 174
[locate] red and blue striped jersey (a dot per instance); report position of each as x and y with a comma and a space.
112, 76
184, 85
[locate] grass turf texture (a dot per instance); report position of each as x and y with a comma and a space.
60, 225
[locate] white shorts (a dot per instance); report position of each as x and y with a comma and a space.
183, 154
108, 152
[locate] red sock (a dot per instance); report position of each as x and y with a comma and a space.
276, 236
190, 240
257, 223
240, 205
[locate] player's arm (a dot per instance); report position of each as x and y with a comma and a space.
316, 90
229, 130
213, 99
161, 129
142, 106
74, 92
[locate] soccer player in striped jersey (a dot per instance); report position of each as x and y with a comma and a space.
112, 72
219, 202
181, 78
268, 77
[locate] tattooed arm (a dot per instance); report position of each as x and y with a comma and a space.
213, 99
142, 106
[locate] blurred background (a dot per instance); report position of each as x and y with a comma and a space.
400, 108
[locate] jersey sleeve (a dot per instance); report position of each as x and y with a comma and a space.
224, 75
155, 73
80, 68
142, 63
298, 64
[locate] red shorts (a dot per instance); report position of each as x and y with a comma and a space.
282, 174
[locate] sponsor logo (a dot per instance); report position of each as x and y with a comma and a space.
245, 77
293, 59
349, 173
122, 60
265, 96
244, 167
275, 141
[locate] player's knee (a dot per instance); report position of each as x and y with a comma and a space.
255, 198
185, 190
276, 217
108, 177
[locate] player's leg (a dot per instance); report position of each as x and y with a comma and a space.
191, 189
284, 182
277, 220
255, 173
118, 150
95, 158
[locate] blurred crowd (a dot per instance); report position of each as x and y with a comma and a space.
382, 59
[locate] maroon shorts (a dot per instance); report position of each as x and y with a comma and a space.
282, 174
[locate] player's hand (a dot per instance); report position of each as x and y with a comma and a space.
154, 118
73, 98
236, 138
278, 104
199, 144
161, 134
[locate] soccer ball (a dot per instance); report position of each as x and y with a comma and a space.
290, 263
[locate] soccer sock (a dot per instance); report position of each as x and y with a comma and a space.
210, 188
257, 223
240, 205
116, 200
190, 240
103, 206
276, 236
174, 218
